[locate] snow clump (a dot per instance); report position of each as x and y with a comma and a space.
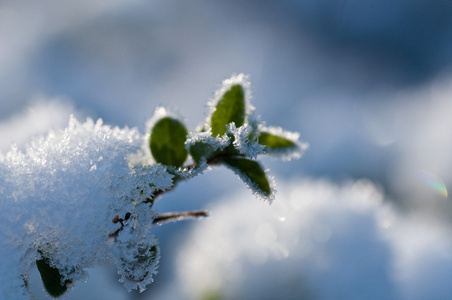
59, 197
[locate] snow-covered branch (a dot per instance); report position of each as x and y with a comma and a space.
85, 194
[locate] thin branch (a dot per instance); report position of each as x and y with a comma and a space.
117, 219
178, 216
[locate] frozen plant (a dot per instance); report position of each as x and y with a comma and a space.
84, 195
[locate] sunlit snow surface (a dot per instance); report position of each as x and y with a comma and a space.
60, 196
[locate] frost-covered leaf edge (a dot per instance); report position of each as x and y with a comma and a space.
267, 195
236, 79
294, 151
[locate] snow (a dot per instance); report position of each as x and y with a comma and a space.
20, 127
60, 195
318, 240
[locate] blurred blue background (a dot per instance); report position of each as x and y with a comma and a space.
366, 83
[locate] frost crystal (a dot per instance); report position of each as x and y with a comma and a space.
242, 140
59, 196
216, 143
210, 143
147, 180
137, 256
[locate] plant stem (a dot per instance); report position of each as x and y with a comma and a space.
178, 216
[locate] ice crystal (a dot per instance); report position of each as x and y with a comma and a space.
242, 141
137, 255
210, 143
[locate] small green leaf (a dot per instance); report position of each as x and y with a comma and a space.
167, 142
275, 142
51, 278
230, 108
201, 149
251, 172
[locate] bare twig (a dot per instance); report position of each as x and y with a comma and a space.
178, 216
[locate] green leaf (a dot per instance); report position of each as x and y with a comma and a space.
51, 278
251, 173
275, 142
167, 142
201, 149
230, 108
